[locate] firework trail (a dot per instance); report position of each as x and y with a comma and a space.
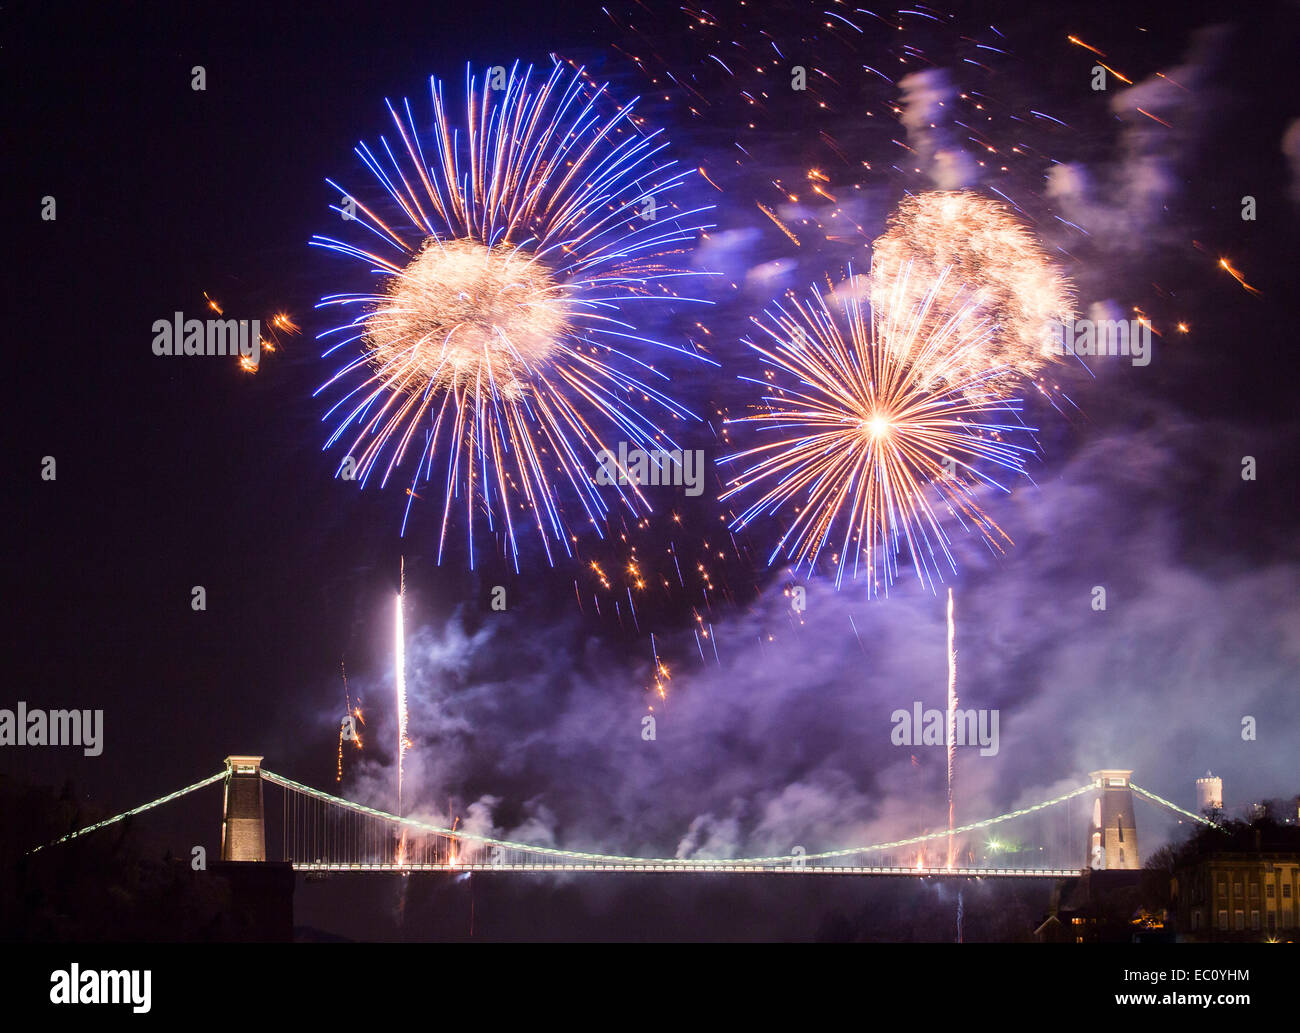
399, 664
343, 725
1225, 265
348, 726
495, 344
880, 413
952, 717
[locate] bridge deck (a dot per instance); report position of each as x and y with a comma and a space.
697, 867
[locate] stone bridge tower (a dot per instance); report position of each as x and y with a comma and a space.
243, 828
1112, 833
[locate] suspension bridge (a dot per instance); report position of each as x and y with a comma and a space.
324, 833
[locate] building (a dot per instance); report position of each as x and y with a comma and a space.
1102, 906
1240, 896
1241, 882
1209, 793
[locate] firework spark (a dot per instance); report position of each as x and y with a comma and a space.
886, 423
1226, 266
496, 344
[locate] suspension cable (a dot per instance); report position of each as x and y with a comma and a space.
136, 810
286, 783
1173, 806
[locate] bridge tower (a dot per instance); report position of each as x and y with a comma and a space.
1112, 834
243, 828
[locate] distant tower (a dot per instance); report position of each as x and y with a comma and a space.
1112, 836
1209, 793
243, 831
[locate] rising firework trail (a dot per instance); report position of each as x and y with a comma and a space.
399, 666
348, 726
952, 717
879, 421
519, 247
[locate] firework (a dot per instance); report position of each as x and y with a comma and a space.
495, 345
894, 103
983, 244
879, 423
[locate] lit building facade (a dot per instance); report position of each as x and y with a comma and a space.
1238, 896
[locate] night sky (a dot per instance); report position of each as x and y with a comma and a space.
176, 472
